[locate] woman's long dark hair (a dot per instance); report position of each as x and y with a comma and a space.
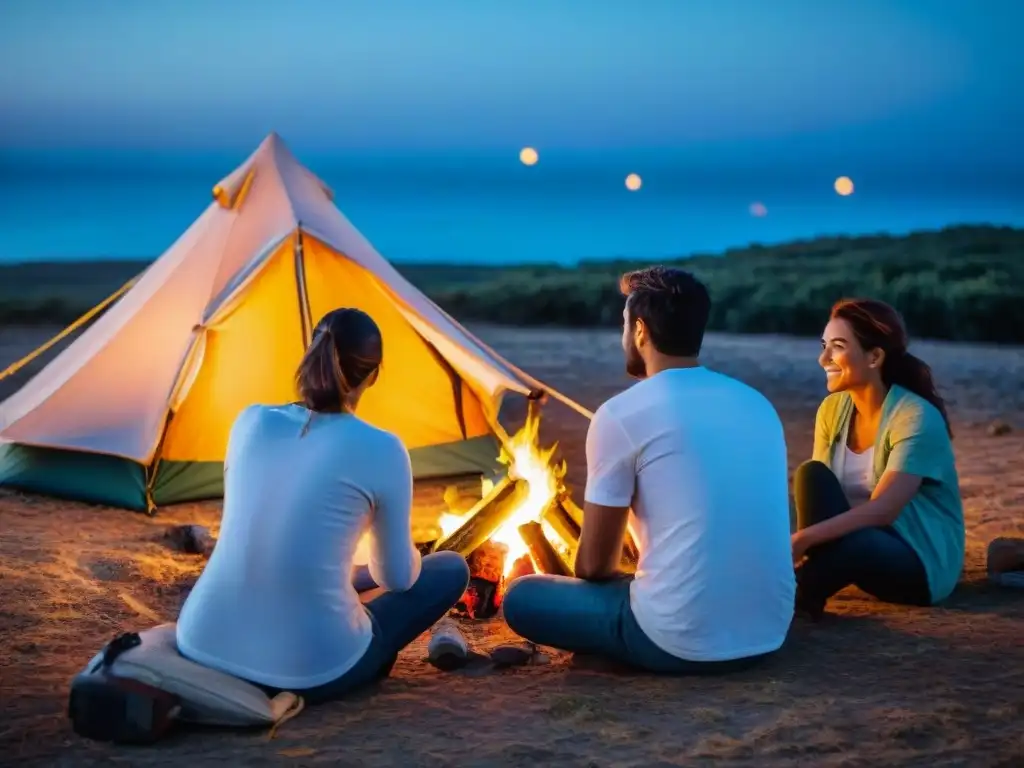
345, 350
879, 326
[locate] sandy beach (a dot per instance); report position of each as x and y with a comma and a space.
870, 685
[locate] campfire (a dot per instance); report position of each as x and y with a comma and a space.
525, 523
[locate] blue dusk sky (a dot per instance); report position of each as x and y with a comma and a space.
908, 83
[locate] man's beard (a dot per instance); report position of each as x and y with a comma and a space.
635, 365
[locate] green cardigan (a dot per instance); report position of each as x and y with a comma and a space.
911, 438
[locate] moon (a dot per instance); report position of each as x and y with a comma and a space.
843, 186
528, 156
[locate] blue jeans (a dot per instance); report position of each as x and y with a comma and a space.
595, 618
397, 618
875, 560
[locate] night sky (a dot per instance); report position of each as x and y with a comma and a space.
907, 83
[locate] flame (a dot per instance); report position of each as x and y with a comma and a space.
526, 461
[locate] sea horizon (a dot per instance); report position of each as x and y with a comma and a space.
486, 208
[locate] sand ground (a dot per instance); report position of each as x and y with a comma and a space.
871, 685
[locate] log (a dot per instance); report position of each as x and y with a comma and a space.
487, 562
574, 515
425, 534
628, 563
563, 524
486, 517
573, 511
545, 558
523, 566
632, 552
481, 600
629, 547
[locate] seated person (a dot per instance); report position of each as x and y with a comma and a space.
276, 605
701, 459
879, 504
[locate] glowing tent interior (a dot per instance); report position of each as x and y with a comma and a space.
136, 411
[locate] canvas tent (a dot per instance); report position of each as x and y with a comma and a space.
136, 411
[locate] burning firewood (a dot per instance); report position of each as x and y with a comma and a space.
523, 566
563, 525
486, 517
487, 561
545, 558
573, 514
481, 600
482, 597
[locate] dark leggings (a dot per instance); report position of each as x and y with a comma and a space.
876, 560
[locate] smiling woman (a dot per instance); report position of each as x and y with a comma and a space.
878, 505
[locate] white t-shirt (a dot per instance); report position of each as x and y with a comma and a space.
857, 476
701, 458
275, 604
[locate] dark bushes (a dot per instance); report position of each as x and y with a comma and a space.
961, 283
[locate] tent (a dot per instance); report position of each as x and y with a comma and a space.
136, 412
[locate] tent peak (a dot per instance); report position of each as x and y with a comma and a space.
276, 147
272, 157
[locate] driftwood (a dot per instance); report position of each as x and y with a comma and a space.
486, 517
545, 558
570, 518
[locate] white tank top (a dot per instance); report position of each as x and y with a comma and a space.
858, 476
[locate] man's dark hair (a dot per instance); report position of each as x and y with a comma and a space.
673, 304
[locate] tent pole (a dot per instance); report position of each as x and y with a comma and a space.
567, 401
540, 385
13, 368
305, 314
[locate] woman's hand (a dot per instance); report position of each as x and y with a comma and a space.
893, 492
801, 542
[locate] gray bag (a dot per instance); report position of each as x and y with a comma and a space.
131, 689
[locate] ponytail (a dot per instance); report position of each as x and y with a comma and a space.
915, 375
346, 350
320, 379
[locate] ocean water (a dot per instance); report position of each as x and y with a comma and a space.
491, 210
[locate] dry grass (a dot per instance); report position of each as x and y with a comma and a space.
874, 685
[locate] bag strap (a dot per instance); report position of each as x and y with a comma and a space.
117, 646
293, 711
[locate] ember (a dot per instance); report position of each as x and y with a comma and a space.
482, 597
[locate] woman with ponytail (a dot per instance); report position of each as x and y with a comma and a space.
277, 604
878, 506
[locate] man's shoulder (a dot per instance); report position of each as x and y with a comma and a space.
742, 398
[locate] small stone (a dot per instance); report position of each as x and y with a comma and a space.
191, 539
998, 429
512, 655
1005, 554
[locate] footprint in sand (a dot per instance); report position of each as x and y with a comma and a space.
109, 569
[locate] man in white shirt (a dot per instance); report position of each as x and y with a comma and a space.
700, 458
